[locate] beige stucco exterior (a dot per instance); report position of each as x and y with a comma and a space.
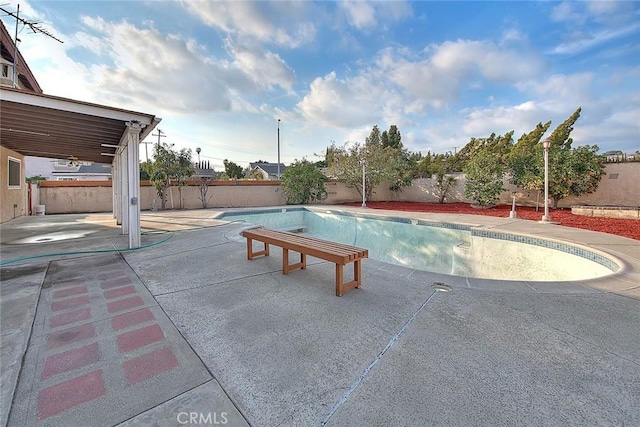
13, 201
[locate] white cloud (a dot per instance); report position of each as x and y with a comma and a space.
522, 118
586, 41
369, 15
566, 11
264, 67
360, 14
166, 74
342, 103
560, 93
282, 23
592, 23
438, 78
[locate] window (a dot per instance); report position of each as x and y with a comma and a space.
67, 178
15, 173
5, 70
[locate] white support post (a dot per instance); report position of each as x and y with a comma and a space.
115, 189
124, 190
133, 193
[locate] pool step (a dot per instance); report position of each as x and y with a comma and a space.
294, 228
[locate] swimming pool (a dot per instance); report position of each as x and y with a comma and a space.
442, 247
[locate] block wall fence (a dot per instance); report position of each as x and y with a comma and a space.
620, 187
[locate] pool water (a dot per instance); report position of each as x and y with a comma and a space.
448, 248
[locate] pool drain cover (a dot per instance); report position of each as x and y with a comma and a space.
438, 286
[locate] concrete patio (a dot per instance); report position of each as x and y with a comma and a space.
187, 331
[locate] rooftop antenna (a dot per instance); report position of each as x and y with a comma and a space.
35, 27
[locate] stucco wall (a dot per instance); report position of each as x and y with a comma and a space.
79, 196
13, 202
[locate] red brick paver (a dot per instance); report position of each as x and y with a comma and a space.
58, 398
70, 360
70, 317
130, 341
76, 290
114, 283
124, 304
129, 319
119, 292
149, 365
68, 303
71, 335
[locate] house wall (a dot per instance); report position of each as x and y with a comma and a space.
13, 202
618, 188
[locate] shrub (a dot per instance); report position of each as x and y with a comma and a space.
302, 183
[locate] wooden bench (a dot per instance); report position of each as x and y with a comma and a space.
330, 251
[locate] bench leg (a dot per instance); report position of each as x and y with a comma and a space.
251, 254
286, 267
341, 287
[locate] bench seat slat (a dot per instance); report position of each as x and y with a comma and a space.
337, 252
315, 243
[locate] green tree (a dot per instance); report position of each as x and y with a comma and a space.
35, 178
203, 188
443, 183
498, 145
144, 171
404, 162
168, 164
302, 183
233, 170
391, 138
183, 170
381, 163
572, 171
485, 172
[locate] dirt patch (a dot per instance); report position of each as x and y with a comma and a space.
618, 226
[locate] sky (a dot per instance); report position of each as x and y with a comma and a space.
221, 73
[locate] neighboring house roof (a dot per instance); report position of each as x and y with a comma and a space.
94, 168
270, 168
202, 172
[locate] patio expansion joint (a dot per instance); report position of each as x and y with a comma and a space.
375, 361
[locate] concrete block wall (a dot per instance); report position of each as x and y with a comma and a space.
620, 187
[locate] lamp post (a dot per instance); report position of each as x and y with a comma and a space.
364, 190
546, 144
278, 148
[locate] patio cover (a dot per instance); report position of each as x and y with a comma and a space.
48, 126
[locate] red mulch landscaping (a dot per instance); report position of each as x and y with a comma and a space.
621, 227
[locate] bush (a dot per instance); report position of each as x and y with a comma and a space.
302, 183
484, 179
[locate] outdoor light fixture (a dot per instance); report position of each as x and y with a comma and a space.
546, 144
278, 148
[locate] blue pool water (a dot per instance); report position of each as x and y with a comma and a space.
441, 247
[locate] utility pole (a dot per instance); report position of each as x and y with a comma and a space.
159, 135
146, 149
455, 150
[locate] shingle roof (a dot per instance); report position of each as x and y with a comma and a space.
269, 168
94, 168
